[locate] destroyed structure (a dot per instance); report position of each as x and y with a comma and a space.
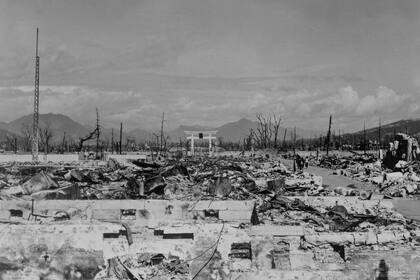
223, 217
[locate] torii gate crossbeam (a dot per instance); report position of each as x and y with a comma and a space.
196, 135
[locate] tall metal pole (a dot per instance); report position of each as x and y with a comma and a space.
379, 138
364, 137
329, 135
98, 132
64, 142
294, 149
112, 141
35, 130
121, 139
339, 139
161, 132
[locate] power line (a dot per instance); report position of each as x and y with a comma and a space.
212, 255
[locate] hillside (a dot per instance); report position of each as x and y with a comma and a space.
58, 124
412, 127
236, 131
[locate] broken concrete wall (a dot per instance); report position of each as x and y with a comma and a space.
42, 158
53, 251
142, 212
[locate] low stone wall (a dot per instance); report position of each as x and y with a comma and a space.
42, 158
143, 212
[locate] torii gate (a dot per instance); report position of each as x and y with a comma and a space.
200, 135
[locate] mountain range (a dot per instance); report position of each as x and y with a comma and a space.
228, 132
412, 127
60, 124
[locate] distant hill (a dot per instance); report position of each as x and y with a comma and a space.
230, 132
236, 131
388, 130
58, 124
3, 125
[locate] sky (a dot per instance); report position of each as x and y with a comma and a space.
209, 62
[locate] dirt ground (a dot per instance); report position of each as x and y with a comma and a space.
331, 180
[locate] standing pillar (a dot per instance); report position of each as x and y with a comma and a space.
192, 144
210, 143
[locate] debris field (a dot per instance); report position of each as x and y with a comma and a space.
223, 217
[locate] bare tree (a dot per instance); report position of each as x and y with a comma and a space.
26, 132
276, 127
63, 143
130, 143
46, 135
91, 135
263, 131
249, 139
266, 134
12, 142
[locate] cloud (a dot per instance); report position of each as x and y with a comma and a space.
346, 102
384, 100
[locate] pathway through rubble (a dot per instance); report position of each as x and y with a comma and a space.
329, 179
409, 208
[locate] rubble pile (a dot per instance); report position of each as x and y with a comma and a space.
210, 218
144, 266
336, 162
327, 217
225, 178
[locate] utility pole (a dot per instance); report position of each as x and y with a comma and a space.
112, 141
339, 139
121, 139
284, 137
364, 137
379, 138
294, 149
161, 132
329, 135
98, 133
291, 140
35, 129
64, 142
320, 142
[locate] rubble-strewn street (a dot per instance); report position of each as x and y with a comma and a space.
241, 216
